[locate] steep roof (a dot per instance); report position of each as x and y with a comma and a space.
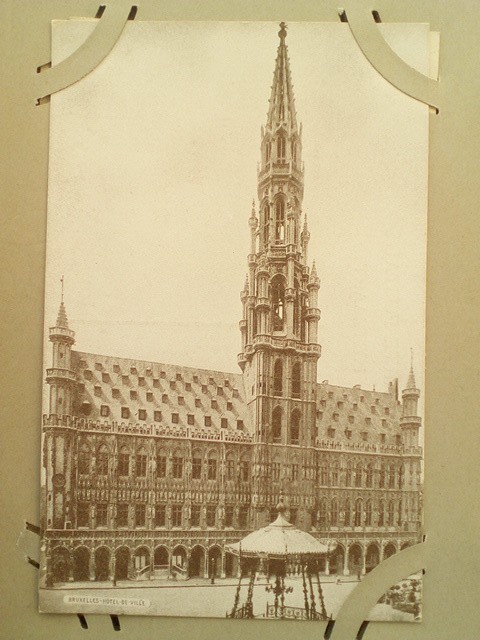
164, 392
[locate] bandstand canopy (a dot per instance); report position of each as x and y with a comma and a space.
279, 539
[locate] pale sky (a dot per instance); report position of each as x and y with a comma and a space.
152, 172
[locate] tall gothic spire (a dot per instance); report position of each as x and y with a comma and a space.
411, 384
62, 320
281, 111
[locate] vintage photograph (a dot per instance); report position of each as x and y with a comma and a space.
235, 323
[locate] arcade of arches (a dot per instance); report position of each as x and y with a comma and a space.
101, 564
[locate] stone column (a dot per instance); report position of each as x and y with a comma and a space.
364, 559
91, 566
346, 571
222, 571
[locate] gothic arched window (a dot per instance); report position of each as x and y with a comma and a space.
348, 475
102, 461
280, 219
391, 513
369, 476
84, 459
296, 380
381, 480
358, 512
278, 378
381, 514
334, 513
268, 150
295, 427
277, 425
347, 515
266, 225
278, 303
281, 148
123, 462
368, 513
358, 475
322, 513
294, 151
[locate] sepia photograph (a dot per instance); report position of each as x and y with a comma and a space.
234, 323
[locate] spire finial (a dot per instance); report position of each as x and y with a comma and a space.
411, 376
282, 34
61, 280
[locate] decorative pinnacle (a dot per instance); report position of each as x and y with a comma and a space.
282, 34
253, 215
62, 320
411, 384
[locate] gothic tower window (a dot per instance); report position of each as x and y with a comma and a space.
266, 225
280, 219
294, 151
295, 427
281, 146
296, 380
268, 150
278, 303
278, 378
277, 425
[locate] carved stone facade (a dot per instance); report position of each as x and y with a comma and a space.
151, 469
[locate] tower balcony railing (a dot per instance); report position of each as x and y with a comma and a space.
282, 343
163, 431
280, 168
64, 374
62, 331
411, 420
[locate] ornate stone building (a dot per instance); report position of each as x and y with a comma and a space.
150, 469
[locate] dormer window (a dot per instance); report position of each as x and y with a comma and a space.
105, 377
97, 390
141, 380
149, 396
188, 386
239, 424
142, 414
133, 370
104, 411
133, 394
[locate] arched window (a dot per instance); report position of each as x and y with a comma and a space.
358, 475
295, 427
381, 514
123, 462
391, 513
278, 303
268, 150
102, 461
358, 513
278, 378
381, 479
212, 467
280, 219
280, 148
391, 477
84, 459
368, 513
277, 425
401, 475
266, 226
369, 476
348, 475
296, 309
296, 380
141, 463
294, 151
334, 513
322, 513
347, 514
335, 474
